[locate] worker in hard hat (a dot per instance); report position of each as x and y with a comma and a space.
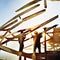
37, 38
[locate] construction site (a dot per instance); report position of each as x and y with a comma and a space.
19, 35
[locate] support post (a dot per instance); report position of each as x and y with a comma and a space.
45, 43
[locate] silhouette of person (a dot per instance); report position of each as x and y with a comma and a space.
21, 42
37, 41
22, 38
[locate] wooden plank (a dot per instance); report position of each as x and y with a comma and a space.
51, 27
10, 50
5, 42
7, 25
45, 3
33, 15
28, 4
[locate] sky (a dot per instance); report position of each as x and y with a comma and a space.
7, 11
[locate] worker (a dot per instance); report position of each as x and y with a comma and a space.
36, 39
37, 42
21, 42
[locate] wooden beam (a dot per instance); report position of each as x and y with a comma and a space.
28, 4
45, 3
7, 25
51, 27
10, 50
5, 42
33, 15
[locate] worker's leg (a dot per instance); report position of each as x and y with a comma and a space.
39, 48
34, 48
34, 53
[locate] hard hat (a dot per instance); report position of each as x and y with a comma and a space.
35, 32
